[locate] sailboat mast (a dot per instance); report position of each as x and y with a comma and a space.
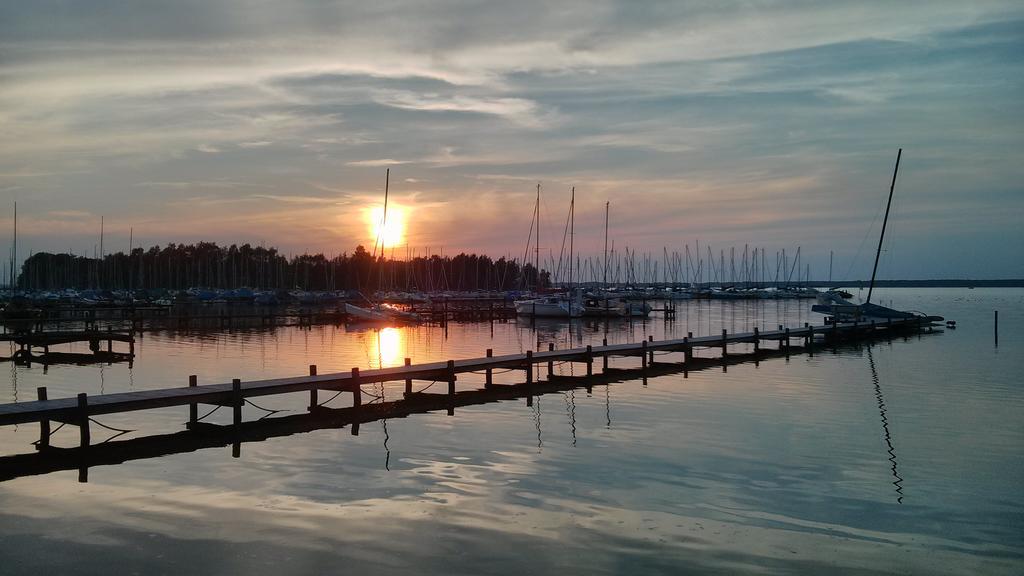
537, 247
572, 224
604, 280
885, 220
14, 249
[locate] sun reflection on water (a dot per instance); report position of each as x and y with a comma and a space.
390, 344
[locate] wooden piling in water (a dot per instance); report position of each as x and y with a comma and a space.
551, 363
193, 408
236, 401
529, 366
408, 381
44, 424
604, 357
314, 396
83, 420
489, 374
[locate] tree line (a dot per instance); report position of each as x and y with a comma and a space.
208, 265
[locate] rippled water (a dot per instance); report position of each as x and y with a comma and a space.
901, 456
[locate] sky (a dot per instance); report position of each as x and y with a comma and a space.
763, 124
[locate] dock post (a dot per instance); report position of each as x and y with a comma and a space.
44, 425
551, 363
193, 408
408, 381
787, 340
650, 353
236, 400
357, 391
489, 377
83, 420
529, 366
725, 343
357, 399
643, 354
450, 369
314, 397
604, 356
687, 349
810, 340
110, 341
757, 340
590, 360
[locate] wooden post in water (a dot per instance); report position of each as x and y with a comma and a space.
687, 349
357, 399
357, 391
408, 381
725, 343
193, 408
83, 420
44, 425
529, 366
314, 398
489, 373
551, 364
787, 340
451, 387
810, 340
590, 360
604, 356
757, 340
643, 354
236, 401
650, 353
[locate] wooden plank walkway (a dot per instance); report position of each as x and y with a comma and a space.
203, 435
77, 410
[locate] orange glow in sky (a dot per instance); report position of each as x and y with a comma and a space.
390, 233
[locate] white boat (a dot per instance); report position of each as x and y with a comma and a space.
380, 313
559, 306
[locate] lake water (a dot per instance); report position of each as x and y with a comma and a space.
900, 456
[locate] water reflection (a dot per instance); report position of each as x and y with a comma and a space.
882, 412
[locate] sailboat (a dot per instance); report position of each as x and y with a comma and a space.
608, 304
842, 310
555, 305
380, 312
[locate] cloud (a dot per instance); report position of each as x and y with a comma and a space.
755, 121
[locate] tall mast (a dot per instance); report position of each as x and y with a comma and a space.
572, 224
605, 279
384, 218
537, 247
102, 268
885, 220
14, 249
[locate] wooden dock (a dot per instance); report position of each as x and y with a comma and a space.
27, 340
202, 435
79, 410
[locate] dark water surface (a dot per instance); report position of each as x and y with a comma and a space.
901, 456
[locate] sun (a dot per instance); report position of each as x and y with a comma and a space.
387, 234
